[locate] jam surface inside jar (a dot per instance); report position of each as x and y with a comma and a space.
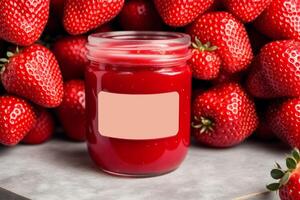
133, 65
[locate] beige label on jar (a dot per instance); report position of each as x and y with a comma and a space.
138, 116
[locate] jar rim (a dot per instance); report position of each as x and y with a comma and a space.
128, 47
139, 36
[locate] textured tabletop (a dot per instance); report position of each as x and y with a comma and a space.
62, 170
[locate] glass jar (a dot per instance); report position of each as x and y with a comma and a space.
138, 92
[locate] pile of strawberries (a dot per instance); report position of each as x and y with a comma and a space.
245, 63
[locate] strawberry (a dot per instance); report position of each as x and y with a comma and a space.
228, 34
81, 16
22, 22
280, 20
42, 130
287, 181
178, 13
16, 119
256, 83
246, 10
72, 110
33, 73
139, 15
223, 116
280, 63
205, 62
70, 53
284, 120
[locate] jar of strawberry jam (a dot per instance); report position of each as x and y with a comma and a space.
138, 92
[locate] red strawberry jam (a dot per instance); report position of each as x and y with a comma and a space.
138, 91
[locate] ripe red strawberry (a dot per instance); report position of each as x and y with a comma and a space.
287, 181
256, 83
228, 34
205, 62
81, 16
180, 12
70, 53
280, 20
33, 73
22, 22
16, 119
140, 15
223, 116
246, 10
284, 120
42, 130
72, 110
280, 63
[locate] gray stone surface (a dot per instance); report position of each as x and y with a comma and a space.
62, 170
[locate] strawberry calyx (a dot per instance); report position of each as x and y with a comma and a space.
205, 125
203, 47
283, 176
4, 61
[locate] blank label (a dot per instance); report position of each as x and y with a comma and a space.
138, 116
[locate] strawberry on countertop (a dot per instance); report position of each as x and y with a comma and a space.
205, 62
16, 119
81, 16
72, 110
22, 22
228, 34
284, 120
42, 130
33, 73
246, 10
280, 20
178, 13
287, 181
223, 116
70, 53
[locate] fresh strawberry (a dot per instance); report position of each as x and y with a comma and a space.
33, 73
280, 20
72, 110
22, 22
287, 181
140, 15
16, 119
246, 10
280, 63
228, 34
256, 83
205, 62
284, 120
42, 130
70, 53
180, 12
81, 16
223, 116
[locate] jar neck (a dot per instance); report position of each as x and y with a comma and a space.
133, 48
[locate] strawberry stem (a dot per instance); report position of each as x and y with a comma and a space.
204, 124
203, 47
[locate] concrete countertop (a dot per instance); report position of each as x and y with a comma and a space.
62, 170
